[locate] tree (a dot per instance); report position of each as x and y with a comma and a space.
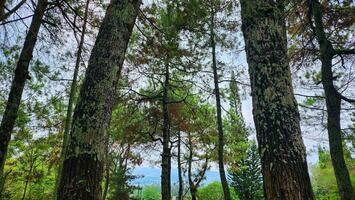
333, 101
164, 62
246, 177
200, 144
236, 130
195, 180
222, 172
73, 90
276, 116
213, 9
85, 153
127, 141
18, 83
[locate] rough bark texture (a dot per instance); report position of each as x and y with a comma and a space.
18, 83
72, 94
222, 172
275, 111
166, 155
85, 153
333, 103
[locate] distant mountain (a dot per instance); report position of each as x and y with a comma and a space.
151, 176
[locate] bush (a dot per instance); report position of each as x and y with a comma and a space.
151, 192
214, 191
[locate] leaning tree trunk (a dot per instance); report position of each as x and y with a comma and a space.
333, 103
222, 172
276, 116
166, 155
84, 156
72, 94
18, 83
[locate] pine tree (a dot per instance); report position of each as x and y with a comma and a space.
333, 102
86, 149
18, 83
246, 177
275, 111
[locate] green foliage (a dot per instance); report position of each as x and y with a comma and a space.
323, 178
151, 192
121, 188
236, 132
214, 191
30, 169
126, 133
246, 177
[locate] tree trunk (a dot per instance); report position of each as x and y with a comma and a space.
275, 110
166, 155
25, 190
193, 191
2, 7
28, 178
85, 152
333, 103
194, 183
181, 180
222, 172
18, 83
72, 94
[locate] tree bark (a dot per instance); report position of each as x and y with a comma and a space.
18, 83
333, 103
275, 111
2, 7
85, 153
166, 155
222, 172
181, 180
72, 94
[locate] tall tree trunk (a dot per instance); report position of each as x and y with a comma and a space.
181, 180
193, 190
2, 7
222, 172
166, 155
18, 83
85, 152
275, 111
333, 103
25, 190
72, 94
